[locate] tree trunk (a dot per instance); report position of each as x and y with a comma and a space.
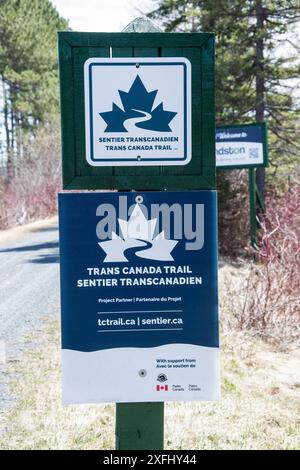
5, 112
260, 92
8, 131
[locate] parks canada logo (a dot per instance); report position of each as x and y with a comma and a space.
138, 111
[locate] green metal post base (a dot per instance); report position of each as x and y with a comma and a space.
139, 426
252, 202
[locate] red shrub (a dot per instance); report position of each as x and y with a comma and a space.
273, 294
31, 192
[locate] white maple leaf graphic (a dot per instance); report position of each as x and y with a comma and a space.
138, 232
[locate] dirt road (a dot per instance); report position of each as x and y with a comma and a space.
29, 289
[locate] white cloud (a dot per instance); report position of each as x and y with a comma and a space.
101, 15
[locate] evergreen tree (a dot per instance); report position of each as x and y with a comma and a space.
28, 66
253, 79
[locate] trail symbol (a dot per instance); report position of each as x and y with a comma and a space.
138, 234
137, 104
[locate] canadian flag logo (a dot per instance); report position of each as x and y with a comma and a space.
159, 388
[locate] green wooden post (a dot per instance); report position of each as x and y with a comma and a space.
252, 202
140, 426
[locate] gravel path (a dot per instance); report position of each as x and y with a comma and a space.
29, 291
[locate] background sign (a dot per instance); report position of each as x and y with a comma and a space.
138, 111
139, 296
241, 146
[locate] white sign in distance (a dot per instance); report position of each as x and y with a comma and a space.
137, 111
240, 146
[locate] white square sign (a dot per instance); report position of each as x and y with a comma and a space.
137, 111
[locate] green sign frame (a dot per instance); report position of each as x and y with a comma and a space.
264, 131
76, 48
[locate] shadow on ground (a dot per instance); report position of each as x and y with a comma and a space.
44, 229
40, 246
46, 259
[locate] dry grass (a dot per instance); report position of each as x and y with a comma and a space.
259, 408
15, 232
40, 421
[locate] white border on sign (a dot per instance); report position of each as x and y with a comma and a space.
138, 163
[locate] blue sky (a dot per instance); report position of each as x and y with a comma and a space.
101, 15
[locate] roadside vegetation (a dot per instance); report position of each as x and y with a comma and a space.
266, 303
31, 191
29, 106
28, 71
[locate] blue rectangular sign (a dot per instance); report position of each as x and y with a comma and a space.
241, 146
139, 296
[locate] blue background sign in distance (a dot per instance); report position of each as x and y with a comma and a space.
240, 134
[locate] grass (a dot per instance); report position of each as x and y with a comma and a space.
260, 406
10, 234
